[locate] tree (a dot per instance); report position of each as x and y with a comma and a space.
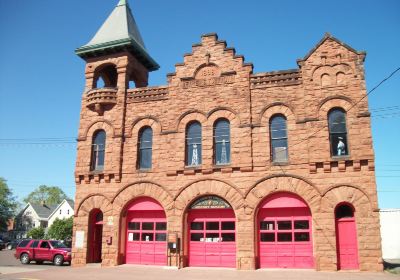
61, 229
36, 233
50, 195
8, 204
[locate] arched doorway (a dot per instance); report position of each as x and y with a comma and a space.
211, 233
95, 236
146, 233
284, 225
346, 237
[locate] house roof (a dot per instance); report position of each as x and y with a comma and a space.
118, 33
42, 210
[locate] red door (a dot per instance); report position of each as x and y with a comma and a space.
95, 236
212, 237
146, 241
347, 243
285, 233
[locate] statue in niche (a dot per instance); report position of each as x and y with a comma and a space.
341, 147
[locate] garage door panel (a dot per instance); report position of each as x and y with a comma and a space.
285, 234
212, 238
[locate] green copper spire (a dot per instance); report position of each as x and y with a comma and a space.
118, 33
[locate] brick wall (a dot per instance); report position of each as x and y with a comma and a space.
213, 82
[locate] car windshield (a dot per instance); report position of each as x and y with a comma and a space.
58, 244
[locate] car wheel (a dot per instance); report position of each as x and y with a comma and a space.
25, 258
58, 260
9, 247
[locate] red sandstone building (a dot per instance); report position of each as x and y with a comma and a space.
223, 167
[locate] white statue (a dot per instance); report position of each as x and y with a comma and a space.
195, 157
340, 147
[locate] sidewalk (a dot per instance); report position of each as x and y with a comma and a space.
156, 273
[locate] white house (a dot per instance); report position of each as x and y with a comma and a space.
41, 215
390, 233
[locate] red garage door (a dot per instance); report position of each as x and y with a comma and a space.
212, 237
285, 235
146, 233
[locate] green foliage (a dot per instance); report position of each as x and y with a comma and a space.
36, 233
61, 229
51, 195
8, 204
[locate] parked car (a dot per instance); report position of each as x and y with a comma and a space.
42, 250
2, 245
13, 244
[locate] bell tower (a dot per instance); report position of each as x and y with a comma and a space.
114, 57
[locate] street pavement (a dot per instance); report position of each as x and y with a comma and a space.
11, 269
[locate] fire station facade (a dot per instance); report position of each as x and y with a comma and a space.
223, 167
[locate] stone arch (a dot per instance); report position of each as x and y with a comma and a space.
196, 189
139, 189
93, 201
106, 125
331, 71
276, 108
141, 122
351, 194
284, 183
192, 115
335, 101
223, 112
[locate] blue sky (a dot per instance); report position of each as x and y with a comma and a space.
41, 79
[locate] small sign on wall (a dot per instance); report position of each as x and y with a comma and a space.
110, 221
79, 238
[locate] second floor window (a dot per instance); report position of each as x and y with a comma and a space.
338, 132
98, 151
193, 144
279, 139
145, 148
222, 142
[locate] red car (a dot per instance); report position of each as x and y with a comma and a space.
42, 250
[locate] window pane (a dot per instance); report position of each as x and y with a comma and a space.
278, 127
212, 225
344, 211
301, 225
284, 225
147, 226
284, 237
100, 162
301, 236
337, 121
23, 243
196, 237
228, 225
279, 150
267, 237
197, 225
161, 236
222, 144
161, 226
222, 152
133, 236
133, 226
98, 147
147, 236
145, 158
193, 154
212, 237
227, 237
267, 225
34, 244
146, 138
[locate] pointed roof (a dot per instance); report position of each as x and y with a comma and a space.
326, 37
118, 33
